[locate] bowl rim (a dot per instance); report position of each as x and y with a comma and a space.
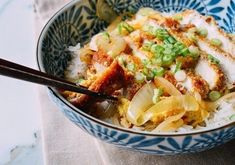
93, 119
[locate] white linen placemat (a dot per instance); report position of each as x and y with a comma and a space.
65, 144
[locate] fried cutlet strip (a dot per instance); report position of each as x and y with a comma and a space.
112, 79
211, 72
217, 81
192, 83
209, 23
226, 62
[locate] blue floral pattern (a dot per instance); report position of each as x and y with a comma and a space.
77, 22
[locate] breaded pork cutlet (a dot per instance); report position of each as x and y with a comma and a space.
112, 79
213, 32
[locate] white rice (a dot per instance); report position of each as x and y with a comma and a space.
219, 117
76, 65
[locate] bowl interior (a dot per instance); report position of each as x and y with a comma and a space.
77, 22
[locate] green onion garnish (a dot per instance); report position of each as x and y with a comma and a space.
157, 49
159, 72
232, 117
177, 67
202, 32
124, 28
167, 51
184, 52
131, 67
167, 59
214, 95
161, 33
139, 77
194, 51
216, 42
171, 40
213, 59
149, 75
150, 29
147, 45
146, 63
106, 34
156, 94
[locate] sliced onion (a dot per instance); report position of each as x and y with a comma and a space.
169, 106
141, 101
167, 86
169, 125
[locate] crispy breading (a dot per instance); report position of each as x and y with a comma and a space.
102, 58
212, 73
113, 78
198, 84
193, 17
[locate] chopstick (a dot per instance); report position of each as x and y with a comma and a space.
21, 72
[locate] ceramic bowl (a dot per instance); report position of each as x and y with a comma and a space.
76, 23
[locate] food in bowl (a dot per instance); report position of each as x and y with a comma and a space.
172, 73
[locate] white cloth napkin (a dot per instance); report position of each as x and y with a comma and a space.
65, 144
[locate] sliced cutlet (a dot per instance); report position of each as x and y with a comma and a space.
226, 62
191, 82
211, 72
195, 18
112, 79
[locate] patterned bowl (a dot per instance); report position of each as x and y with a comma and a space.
76, 23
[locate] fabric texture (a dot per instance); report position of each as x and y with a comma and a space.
65, 144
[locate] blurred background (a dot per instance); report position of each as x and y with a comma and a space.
19, 107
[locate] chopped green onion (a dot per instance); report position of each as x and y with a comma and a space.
213, 59
106, 34
146, 63
124, 28
167, 59
202, 32
131, 67
156, 94
150, 29
171, 40
167, 51
154, 48
149, 75
157, 60
161, 33
147, 45
232, 117
158, 71
216, 42
177, 67
178, 46
139, 77
214, 95
194, 51
178, 17
184, 52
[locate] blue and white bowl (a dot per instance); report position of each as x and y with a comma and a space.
76, 23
